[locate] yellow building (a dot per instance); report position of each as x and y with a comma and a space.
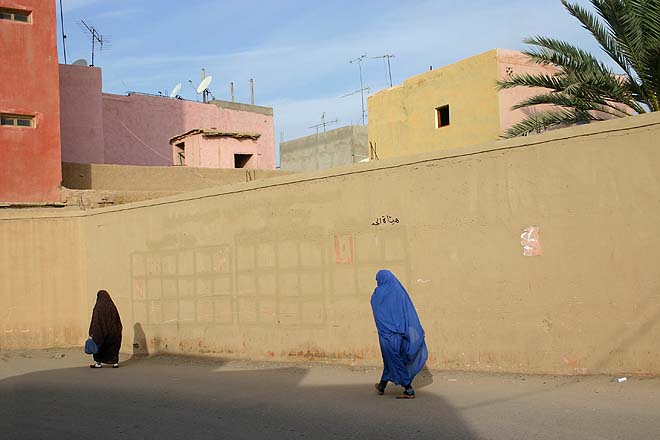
452, 106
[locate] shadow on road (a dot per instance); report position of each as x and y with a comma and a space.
169, 397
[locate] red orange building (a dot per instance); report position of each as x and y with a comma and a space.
31, 169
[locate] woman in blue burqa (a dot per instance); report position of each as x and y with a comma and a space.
400, 334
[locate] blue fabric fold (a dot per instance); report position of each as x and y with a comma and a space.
400, 332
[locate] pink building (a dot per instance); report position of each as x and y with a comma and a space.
216, 149
136, 129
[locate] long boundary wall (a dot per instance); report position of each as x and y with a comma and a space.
284, 268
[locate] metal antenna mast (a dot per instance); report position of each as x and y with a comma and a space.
96, 38
389, 68
323, 123
359, 60
63, 33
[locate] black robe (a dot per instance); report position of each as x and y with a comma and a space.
105, 329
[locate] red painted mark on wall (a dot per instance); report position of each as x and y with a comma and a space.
530, 240
138, 288
344, 249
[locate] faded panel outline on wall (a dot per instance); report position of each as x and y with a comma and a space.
264, 282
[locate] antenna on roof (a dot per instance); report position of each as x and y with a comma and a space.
359, 60
323, 123
63, 33
96, 37
388, 68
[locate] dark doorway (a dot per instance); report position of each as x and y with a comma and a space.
241, 160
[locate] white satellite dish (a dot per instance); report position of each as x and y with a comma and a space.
206, 82
81, 62
175, 91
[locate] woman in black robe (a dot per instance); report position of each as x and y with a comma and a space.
105, 329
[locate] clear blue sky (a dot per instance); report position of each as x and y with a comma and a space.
298, 51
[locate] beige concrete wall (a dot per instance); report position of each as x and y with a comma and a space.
43, 296
284, 269
154, 178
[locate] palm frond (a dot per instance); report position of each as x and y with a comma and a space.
599, 32
584, 88
546, 81
542, 121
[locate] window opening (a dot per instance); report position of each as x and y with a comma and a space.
15, 15
442, 116
17, 120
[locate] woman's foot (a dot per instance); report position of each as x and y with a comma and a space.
96, 365
408, 393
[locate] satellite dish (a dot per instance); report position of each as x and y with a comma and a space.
81, 62
204, 84
175, 91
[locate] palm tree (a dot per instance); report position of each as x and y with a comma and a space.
583, 88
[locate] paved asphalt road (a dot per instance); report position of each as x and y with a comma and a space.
55, 395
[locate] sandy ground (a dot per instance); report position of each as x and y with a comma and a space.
53, 394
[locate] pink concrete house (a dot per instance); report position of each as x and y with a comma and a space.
216, 149
136, 129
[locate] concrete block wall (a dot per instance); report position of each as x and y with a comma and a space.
341, 146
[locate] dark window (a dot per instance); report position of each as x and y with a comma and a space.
241, 160
14, 15
442, 116
17, 120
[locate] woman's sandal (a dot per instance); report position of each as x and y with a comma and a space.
380, 390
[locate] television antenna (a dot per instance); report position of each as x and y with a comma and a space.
366, 89
323, 123
388, 68
359, 60
96, 37
361, 92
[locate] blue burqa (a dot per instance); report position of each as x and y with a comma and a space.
400, 333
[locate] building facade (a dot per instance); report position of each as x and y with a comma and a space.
453, 106
330, 149
135, 129
202, 148
30, 171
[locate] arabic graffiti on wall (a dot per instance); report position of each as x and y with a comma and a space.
384, 220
